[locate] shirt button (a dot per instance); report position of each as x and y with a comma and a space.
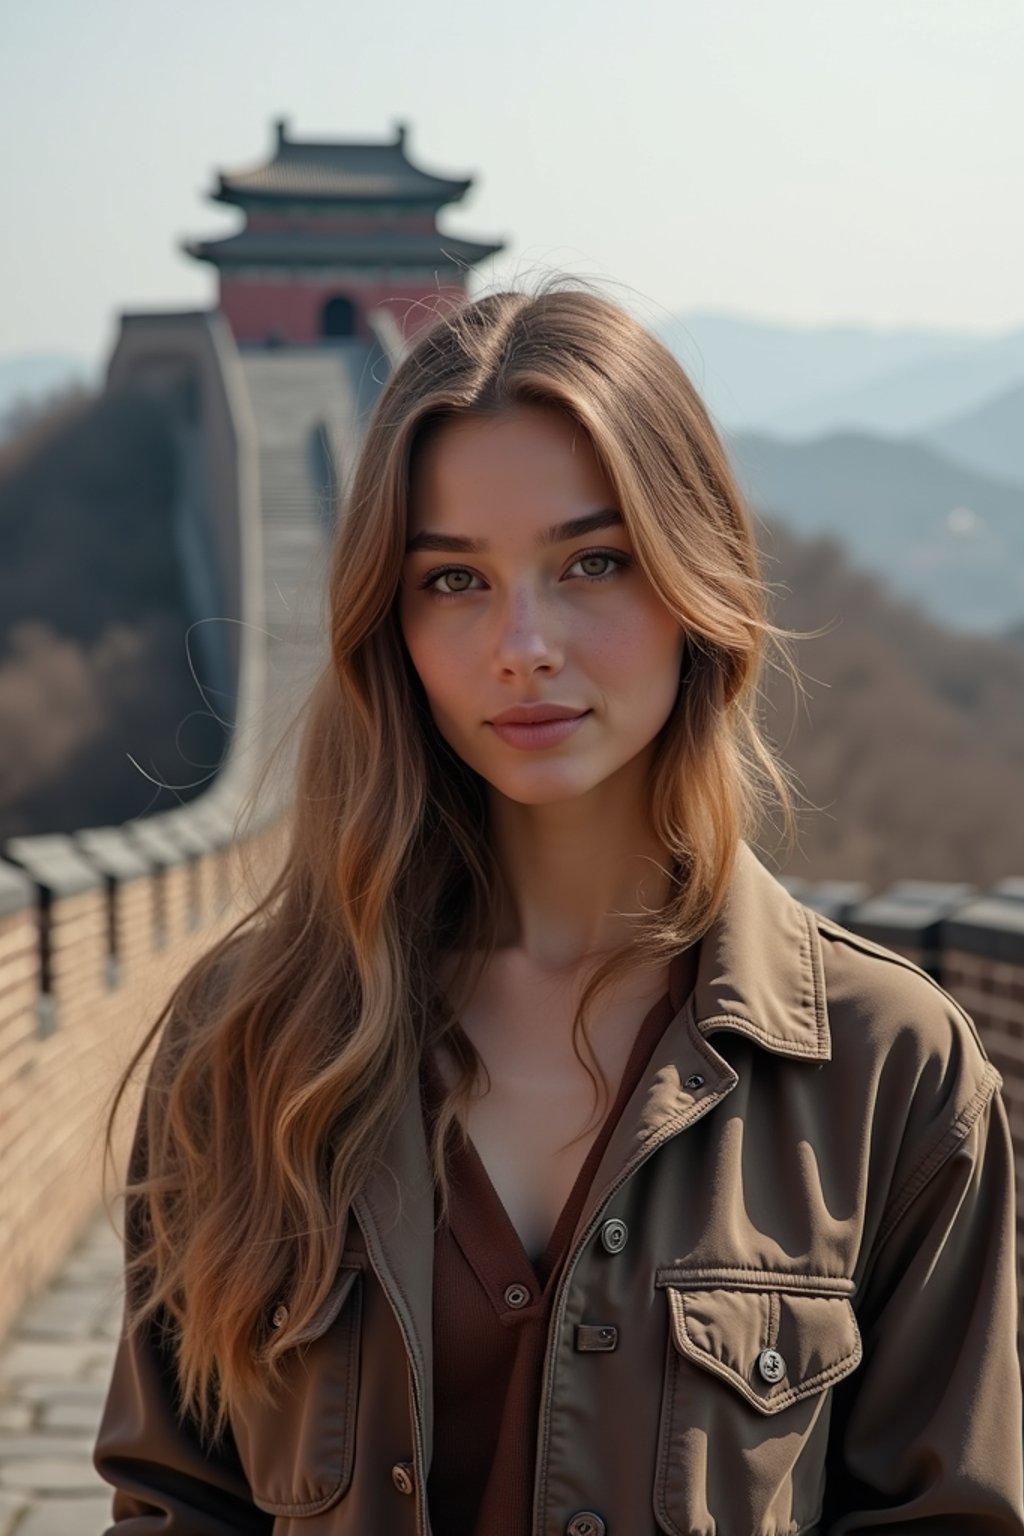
280, 1316
613, 1239
516, 1296
586, 1523
771, 1365
401, 1476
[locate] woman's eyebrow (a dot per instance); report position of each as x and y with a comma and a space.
560, 533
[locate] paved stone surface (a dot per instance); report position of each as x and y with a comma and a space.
65, 1517
54, 1368
12, 1507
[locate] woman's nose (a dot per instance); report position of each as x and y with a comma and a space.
526, 637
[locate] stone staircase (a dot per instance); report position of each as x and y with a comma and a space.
310, 407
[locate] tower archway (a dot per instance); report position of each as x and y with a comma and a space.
338, 317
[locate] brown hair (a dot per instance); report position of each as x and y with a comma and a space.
291, 1045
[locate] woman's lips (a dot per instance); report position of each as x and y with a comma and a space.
541, 733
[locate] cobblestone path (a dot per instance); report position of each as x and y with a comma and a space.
54, 1368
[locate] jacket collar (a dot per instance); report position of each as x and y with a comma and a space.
759, 971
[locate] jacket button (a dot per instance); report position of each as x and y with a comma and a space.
401, 1476
280, 1316
516, 1296
613, 1239
771, 1365
586, 1523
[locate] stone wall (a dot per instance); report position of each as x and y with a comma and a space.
95, 930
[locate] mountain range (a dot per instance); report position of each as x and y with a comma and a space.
949, 539
906, 445
798, 382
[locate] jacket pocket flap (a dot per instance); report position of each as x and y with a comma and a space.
297, 1449
774, 1347
325, 1314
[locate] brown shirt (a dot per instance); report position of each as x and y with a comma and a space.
492, 1307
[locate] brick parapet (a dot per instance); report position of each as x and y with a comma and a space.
992, 991
95, 932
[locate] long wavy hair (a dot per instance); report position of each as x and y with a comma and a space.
287, 1052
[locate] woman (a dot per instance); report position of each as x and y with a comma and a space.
530, 1161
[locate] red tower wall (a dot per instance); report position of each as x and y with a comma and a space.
290, 312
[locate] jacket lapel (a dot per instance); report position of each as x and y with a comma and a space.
760, 974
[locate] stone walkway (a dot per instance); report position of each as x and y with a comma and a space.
54, 1368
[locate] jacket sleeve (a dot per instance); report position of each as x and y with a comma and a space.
927, 1432
164, 1480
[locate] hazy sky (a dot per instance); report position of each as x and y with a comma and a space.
794, 159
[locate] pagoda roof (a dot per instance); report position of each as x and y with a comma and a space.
297, 248
339, 172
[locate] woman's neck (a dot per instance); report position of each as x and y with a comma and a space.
576, 869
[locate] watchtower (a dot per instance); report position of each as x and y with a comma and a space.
334, 231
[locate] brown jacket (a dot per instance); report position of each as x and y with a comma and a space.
802, 1231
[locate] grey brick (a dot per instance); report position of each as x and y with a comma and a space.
68, 1517
71, 1416
62, 1359
12, 1506
15, 1417
47, 1390
46, 1474
42, 1447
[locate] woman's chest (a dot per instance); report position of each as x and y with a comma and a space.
532, 1152
548, 1097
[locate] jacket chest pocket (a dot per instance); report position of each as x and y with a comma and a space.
297, 1451
746, 1403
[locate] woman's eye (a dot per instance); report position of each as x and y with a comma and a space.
457, 579
599, 564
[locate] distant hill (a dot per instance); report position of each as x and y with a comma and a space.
989, 439
913, 398
911, 739
94, 669
942, 535
32, 377
801, 381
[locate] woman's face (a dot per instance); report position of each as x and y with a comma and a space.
520, 588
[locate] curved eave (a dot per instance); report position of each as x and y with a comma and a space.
360, 193
244, 250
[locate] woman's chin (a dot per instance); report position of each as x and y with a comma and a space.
542, 784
